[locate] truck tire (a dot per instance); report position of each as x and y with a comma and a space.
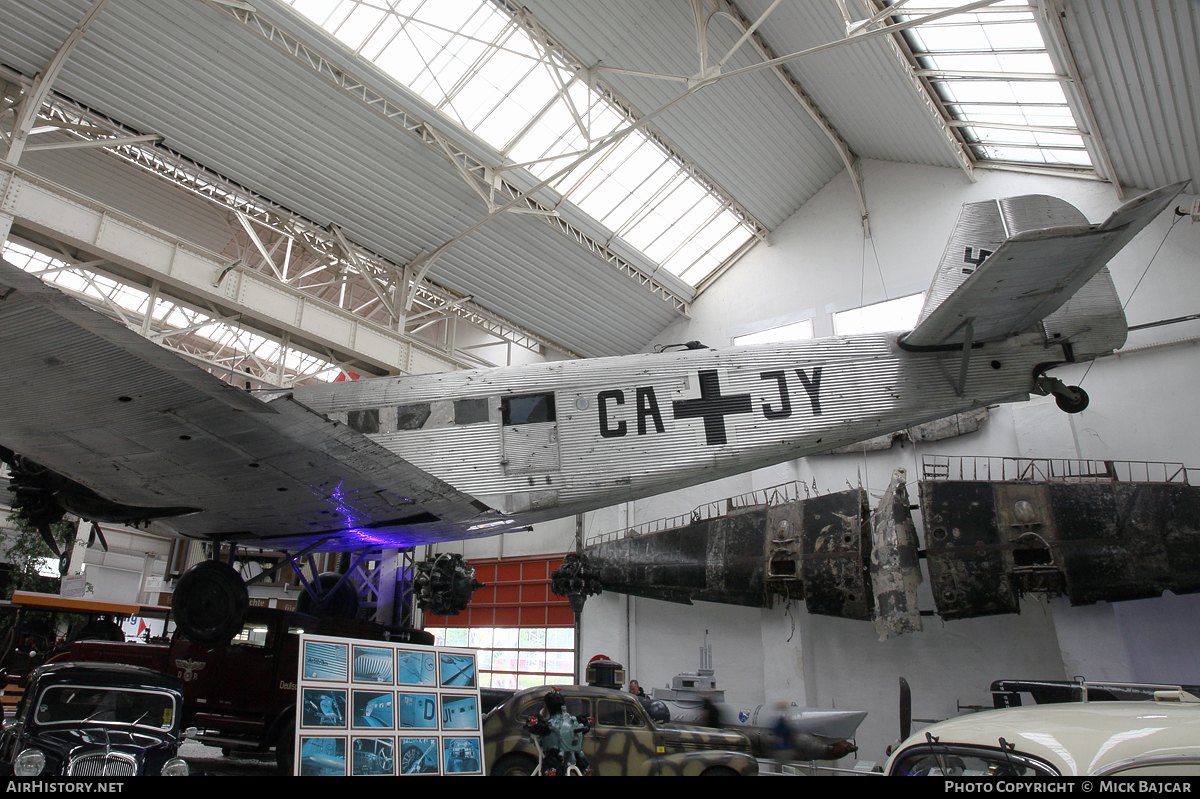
285, 747
210, 602
340, 604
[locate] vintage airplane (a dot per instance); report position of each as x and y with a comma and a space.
103, 423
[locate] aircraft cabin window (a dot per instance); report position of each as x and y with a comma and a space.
528, 409
364, 421
470, 411
412, 417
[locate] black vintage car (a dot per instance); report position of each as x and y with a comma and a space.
95, 720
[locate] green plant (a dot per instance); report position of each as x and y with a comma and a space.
28, 549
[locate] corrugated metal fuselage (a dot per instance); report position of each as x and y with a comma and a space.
547, 440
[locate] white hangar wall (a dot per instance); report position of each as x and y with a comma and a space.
1142, 408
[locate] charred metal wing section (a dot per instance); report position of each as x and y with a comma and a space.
711, 560
835, 538
816, 549
987, 543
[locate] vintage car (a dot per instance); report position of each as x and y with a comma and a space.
1127, 739
95, 720
623, 739
241, 696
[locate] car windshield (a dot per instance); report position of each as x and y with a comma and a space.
72, 704
963, 761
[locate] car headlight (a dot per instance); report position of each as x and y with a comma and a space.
29, 763
175, 767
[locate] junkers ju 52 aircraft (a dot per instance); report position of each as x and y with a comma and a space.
100, 422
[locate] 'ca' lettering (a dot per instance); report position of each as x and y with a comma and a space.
647, 406
618, 397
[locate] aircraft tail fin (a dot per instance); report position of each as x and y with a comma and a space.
1014, 263
980, 230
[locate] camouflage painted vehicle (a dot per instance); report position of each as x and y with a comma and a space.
624, 741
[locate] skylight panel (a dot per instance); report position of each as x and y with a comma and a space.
481, 69
987, 68
360, 23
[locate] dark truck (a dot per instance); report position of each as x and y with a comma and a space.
241, 696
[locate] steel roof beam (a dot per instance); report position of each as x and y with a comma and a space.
905, 63
460, 159
1049, 14
848, 156
31, 104
302, 236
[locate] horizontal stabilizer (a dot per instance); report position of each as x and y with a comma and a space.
1030, 275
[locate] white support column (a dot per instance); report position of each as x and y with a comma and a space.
79, 548
148, 562
386, 588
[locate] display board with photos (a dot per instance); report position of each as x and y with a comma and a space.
375, 708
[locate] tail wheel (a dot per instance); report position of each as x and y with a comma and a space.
210, 602
1069, 405
285, 747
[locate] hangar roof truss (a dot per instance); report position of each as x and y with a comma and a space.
491, 69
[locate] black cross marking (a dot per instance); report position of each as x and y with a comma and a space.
712, 407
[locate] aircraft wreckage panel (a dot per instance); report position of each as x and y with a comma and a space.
986, 543
969, 566
835, 582
894, 566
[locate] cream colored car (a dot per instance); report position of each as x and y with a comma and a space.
1127, 739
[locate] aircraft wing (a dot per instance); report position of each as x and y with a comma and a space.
99, 404
1032, 274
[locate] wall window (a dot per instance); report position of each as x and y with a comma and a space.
897, 314
796, 331
516, 657
523, 633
